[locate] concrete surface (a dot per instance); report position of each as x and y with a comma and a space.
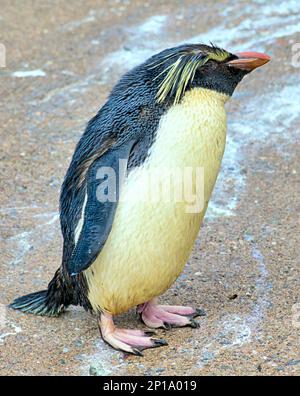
62, 60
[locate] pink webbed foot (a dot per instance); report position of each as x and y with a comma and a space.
130, 341
155, 316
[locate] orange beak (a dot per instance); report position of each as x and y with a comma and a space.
249, 60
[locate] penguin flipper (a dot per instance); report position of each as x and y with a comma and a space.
103, 182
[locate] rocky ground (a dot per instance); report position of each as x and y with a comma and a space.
62, 59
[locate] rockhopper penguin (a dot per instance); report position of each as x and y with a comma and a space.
121, 252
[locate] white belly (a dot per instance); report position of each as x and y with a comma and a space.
151, 238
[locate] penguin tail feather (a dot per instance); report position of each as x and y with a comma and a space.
34, 303
50, 302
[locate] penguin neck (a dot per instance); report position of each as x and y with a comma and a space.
191, 125
205, 96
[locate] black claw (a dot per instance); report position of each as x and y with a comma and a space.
150, 333
167, 326
160, 342
155, 344
136, 351
194, 324
199, 312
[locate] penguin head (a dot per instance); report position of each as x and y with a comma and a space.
180, 69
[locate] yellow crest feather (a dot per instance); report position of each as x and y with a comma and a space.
182, 71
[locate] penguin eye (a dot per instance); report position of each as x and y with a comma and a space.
230, 58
